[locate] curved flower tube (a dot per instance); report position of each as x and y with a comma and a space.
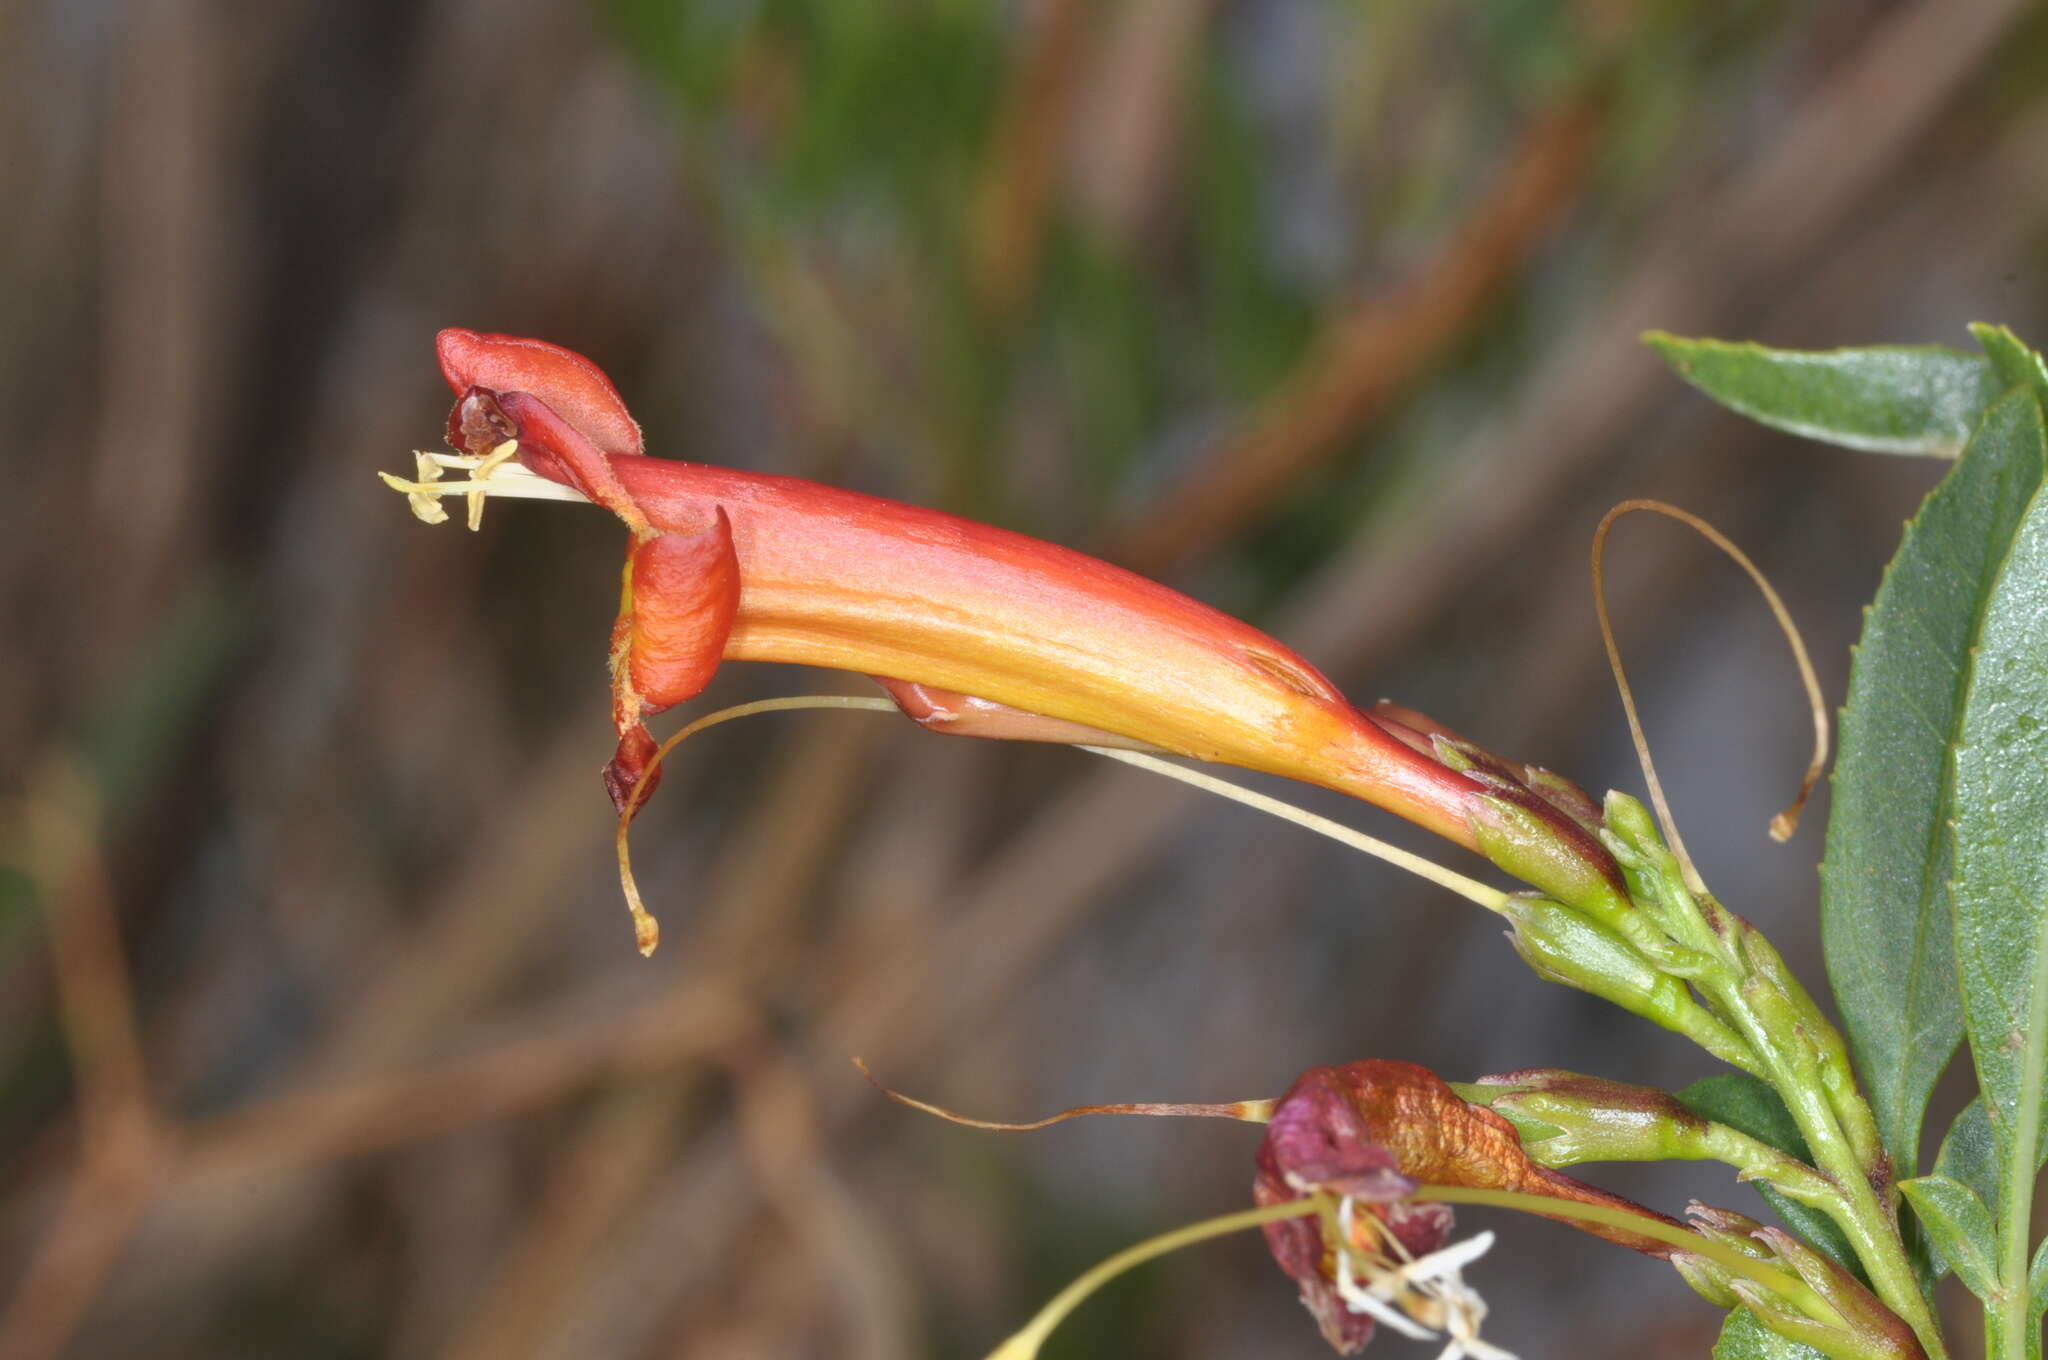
971, 629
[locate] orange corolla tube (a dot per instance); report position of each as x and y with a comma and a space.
971, 629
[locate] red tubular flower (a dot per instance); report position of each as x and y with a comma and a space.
971, 629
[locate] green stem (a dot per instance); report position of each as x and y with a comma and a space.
2015, 1316
1780, 1029
1783, 1172
1746, 983
1786, 1286
1027, 1341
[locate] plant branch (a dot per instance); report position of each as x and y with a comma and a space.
1788, 1287
1788, 1031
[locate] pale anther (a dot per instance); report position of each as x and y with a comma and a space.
492, 475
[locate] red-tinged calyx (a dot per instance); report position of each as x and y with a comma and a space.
1537, 825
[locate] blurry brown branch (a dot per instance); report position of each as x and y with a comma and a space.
159, 227
792, 1163
1131, 112
605, 1166
1703, 266
121, 1143
488, 914
353, 1116
1010, 206
1374, 353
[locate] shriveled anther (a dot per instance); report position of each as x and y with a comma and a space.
421, 494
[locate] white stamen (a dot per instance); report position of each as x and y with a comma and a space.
1428, 1289
1363, 1300
1449, 1261
1360, 1300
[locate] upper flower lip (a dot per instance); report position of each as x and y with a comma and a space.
575, 387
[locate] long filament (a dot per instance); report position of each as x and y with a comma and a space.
648, 932
1493, 899
1784, 822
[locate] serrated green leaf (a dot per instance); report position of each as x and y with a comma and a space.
2015, 364
1915, 399
1749, 1106
1884, 882
1960, 1226
1744, 1337
2037, 1284
2001, 808
2001, 875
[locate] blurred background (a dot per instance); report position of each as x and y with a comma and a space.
321, 1030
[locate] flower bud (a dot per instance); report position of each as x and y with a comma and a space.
1836, 1314
1650, 869
1565, 1118
1569, 947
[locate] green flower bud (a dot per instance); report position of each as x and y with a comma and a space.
1834, 1313
1709, 1279
1565, 1118
1650, 869
1569, 947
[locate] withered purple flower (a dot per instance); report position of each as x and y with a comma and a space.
1371, 1135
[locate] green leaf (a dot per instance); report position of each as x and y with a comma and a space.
2001, 875
1744, 1337
1885, 905
1891, 399
1960, 1226
1749, 1106
2015, 364
2001, 809
1968, 1154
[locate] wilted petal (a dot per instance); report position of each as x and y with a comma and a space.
1375, 1131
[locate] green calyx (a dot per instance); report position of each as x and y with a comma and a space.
1565, 1118
1564, 861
